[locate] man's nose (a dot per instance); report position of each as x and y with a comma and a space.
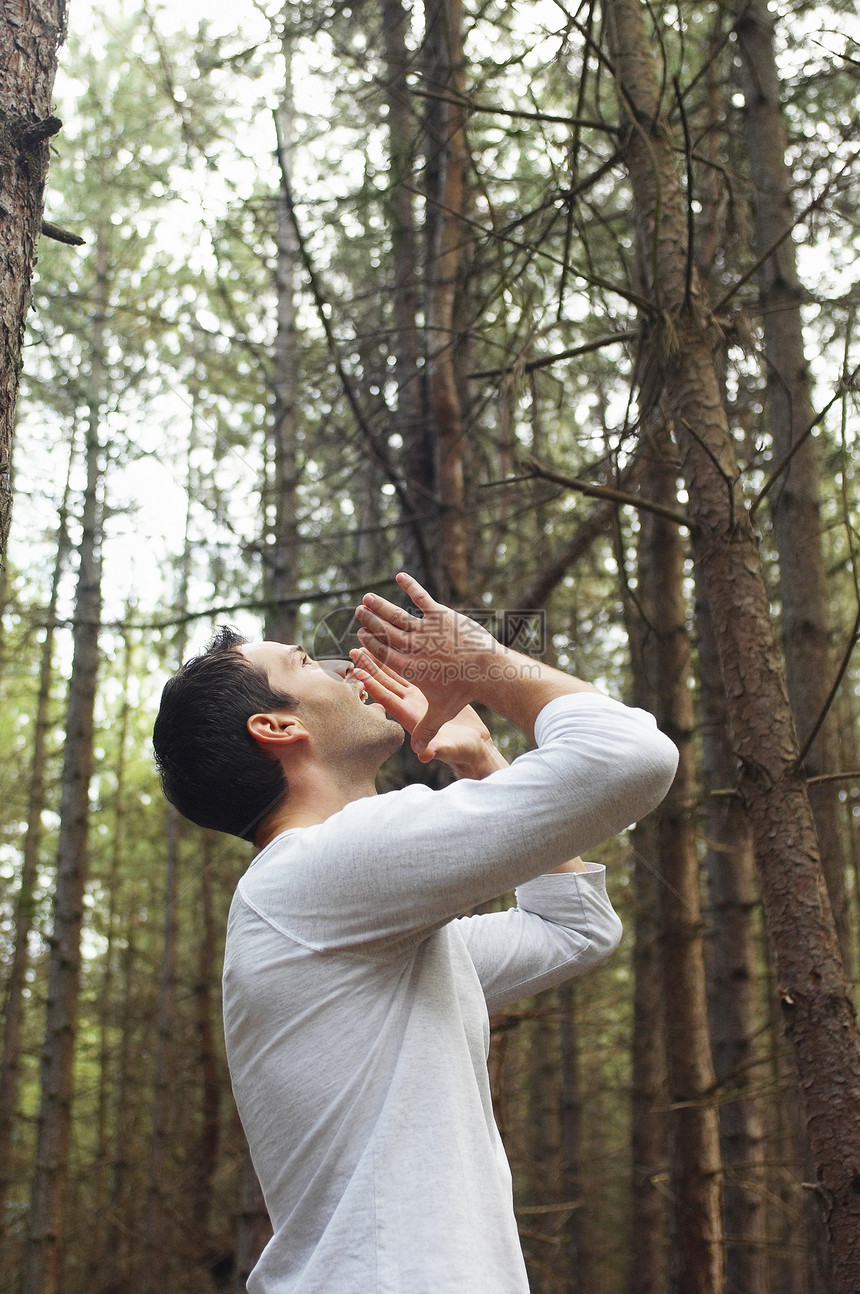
342, 668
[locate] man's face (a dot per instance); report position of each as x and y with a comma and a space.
331, 703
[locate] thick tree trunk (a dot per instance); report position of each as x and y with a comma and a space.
446, 194
30, 34
692, 1122
728, 859
42, 1272
787, 1175
803, 581
817, 1007
13, 1010
730, 867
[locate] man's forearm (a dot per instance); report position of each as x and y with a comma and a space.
486, 761
572, 865
518, 687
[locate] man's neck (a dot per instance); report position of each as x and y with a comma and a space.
310, 802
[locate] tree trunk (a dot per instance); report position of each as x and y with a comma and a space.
30, 35
281, 553
541, 1141
122, 1224
817, 1007
445, 194
803, 584
25, 899
42, 1272
648, 1214
692, 1121
157, 1249
730, 867
253, 1229
208, 1141
418, 499
156, 1252
576, 1252
648, 1267
728, 857
100, 1174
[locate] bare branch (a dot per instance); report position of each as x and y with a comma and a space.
831, 697
786, 233
61, 235
845, 385
607, 492
545, 361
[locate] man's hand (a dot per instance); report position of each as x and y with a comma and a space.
453, 660
464, 742
444, 653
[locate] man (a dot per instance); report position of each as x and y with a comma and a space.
355, 995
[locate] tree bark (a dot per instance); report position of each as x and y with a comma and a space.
803, 584
692, 1121
648, 1266
445, 195
25, 900
31, 32
115, 1273
577, 1264
42, 1273
281, 553
100, 1174
411, 421
208, 1140
817, 1006
541, 1141
730, 868
156, 1236
253, 1229
728, 855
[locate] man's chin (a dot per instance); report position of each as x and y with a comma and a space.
390, 739
398, 734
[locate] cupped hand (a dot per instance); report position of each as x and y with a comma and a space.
443, 653
463, 742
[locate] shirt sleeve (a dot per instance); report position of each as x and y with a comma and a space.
563, 924
387, 870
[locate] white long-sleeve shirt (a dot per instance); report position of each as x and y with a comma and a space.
355, 1004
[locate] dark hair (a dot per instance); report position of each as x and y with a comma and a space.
211, 768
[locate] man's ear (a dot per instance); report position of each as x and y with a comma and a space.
275, 732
